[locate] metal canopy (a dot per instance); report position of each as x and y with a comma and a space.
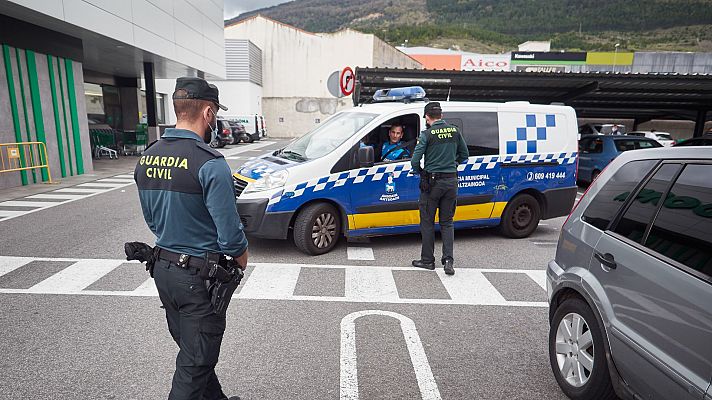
642, 97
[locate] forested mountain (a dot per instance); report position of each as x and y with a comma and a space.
500, 24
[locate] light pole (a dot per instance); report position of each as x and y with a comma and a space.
615, 56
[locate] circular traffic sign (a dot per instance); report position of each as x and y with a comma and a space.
347, 81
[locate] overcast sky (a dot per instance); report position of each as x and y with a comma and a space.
234, 8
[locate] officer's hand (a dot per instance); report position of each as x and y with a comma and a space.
242, 260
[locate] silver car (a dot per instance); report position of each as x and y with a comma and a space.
630, 289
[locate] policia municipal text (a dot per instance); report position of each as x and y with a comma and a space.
188, 200
444, 148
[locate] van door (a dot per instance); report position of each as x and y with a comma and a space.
385, 197
479, 177
655, 265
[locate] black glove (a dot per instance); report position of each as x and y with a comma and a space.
142, 252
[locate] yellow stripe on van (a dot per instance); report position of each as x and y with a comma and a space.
242, 177
412, 217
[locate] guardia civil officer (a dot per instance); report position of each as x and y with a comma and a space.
188, 200
444, 148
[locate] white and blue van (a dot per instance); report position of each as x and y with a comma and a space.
332, 182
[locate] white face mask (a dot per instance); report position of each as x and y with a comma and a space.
213, 130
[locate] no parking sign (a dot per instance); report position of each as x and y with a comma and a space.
347, 81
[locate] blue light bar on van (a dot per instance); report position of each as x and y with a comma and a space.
410, 93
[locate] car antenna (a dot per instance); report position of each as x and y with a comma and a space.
448, 93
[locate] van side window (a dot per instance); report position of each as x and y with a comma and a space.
480, 130
682, 231
592, 146
612, 196
634, 222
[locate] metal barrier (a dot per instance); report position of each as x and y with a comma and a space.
24, 156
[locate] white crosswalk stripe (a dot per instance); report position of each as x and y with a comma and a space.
63, 196
271, 281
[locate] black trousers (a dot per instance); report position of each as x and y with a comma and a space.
196, 329
442, 197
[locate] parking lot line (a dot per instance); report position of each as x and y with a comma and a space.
470, 286
75, 277
28, 204
369, 283
360, 253
271, 281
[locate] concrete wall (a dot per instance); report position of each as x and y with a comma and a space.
188, 31
297, 65
35, 115
683, 63
289, 117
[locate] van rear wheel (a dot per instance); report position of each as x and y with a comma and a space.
317, 229
521, 217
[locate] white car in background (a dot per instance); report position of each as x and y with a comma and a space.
663, 138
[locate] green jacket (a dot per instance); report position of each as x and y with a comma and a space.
443, 146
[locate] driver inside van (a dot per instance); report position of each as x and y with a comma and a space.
395, 149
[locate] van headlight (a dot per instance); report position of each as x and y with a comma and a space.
268, 181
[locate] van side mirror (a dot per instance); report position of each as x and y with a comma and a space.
365, 157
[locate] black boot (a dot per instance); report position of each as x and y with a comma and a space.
449, 269
425, 265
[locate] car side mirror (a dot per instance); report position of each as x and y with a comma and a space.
365, 157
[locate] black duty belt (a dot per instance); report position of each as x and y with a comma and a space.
181, 260
443, 175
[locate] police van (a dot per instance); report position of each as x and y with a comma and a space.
332, 181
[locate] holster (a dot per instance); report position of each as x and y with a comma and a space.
425, 181
223, 278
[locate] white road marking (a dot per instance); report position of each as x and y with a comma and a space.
470, 286
370, 283
75, 277
360, 253
244, 148
271, 281
539, 277
61, 197
103, 185
9, 264
10, 213
125, 176
111, 180
28, 203
348, 383
77, 190
57, 196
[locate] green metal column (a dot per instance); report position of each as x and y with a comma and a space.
75, 118
64, 115
55, 108
24, 107
13, 106
37, 107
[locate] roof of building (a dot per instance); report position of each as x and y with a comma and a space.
592, 94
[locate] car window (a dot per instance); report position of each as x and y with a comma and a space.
480, 130
638, 215
663, 136
611, 197
592, 146
647, 144
682, 230
625, 145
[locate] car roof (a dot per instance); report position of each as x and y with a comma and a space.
667, 153
617, 137
419, 106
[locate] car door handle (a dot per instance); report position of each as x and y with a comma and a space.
606, 259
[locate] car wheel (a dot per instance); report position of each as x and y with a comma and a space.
576, 353
317, 229
214, 144
521, 217
250, 139
594, 175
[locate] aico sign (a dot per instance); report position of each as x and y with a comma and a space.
485, 62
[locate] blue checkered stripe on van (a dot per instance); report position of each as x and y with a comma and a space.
354, 177
529, 136
376, 173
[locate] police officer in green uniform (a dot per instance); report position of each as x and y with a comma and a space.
444, 148
188, 200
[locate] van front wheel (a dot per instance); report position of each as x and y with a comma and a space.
521, 217
317, 229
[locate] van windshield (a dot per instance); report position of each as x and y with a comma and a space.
327, 136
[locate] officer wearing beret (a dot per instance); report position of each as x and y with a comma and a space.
444, 148
188, 200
